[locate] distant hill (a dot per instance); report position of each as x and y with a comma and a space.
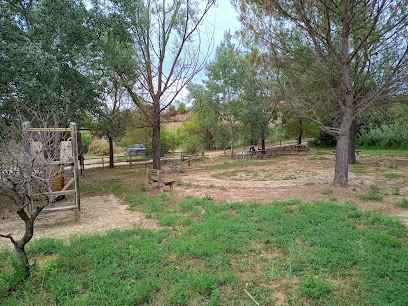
173, 122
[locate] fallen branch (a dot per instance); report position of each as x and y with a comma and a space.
250, 295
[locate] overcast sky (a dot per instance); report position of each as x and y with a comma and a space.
221, 17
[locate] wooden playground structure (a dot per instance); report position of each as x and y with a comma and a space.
66, 168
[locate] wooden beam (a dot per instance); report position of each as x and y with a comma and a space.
60, 208
48, 130
55, 193
68, 184
75, 155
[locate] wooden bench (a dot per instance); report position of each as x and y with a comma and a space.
158, 176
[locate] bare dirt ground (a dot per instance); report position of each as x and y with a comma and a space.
98, 214
306, 177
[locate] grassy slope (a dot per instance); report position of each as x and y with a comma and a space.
207, 253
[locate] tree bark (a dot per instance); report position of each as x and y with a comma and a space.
111, 162
232, 145
342, 147
208, 138
300, 132
352, 144
156, 143
263, 143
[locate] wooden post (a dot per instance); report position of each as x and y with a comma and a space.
75, 155
103, 165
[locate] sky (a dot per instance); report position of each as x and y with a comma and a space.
224, 17
221, 18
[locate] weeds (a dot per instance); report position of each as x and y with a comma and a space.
403, 203
396, 191
393, 176
358, 170
373, 195
327, 191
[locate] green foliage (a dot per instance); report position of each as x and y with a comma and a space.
46, 61
169, 141
86, 141
181, 108
384, 128
99, 147
192, 144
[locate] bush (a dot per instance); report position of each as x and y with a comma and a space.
86, 141
193, 144
99, 147
385, 136
181, 108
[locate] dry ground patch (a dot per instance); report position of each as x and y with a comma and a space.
304, 177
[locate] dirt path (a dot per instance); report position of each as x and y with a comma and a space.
98, 215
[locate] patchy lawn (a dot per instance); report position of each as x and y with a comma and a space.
280, 231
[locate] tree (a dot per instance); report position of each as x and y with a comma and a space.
27, 170
113, 121
44, 58
167, 41
225, 86
356, 51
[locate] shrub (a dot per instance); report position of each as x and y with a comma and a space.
192, 144
99, 147
181, 108
86, 141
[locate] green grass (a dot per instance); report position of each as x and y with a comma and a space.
239, 164
327, 191
393, 176
373, 195
358, 169
207, 253
403, 203
384, 152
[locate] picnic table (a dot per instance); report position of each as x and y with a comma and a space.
301, 148
242, 155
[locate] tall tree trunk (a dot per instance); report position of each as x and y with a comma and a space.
232, 145
111, 162
208, 138
342, 147
299, 141
156, 144
263, 143
352, 144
